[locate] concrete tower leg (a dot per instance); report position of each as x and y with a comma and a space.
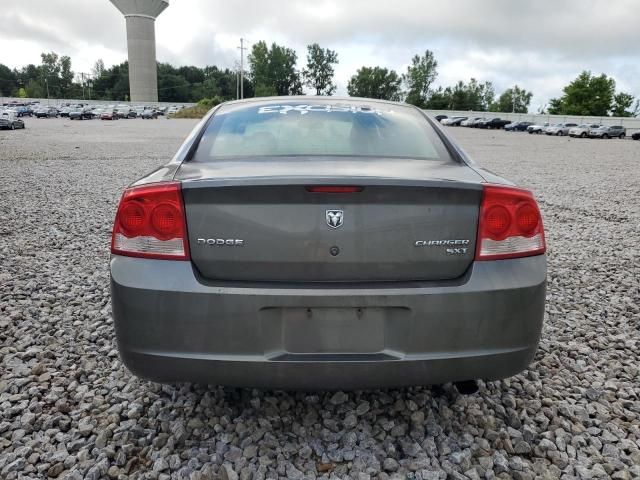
141, 44
143, 73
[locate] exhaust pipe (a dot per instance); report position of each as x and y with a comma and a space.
468, 387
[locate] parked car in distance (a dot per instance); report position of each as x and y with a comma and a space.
453, 121
477, 122
440, 117
493, 123
560, 129
537, 128
81, 114
47, 112
109, 115
453, 299
149, 114
23, 111
604, 131
517, 126
124, 112
469, 121
9, 120
635, 136
64, 111
582, 131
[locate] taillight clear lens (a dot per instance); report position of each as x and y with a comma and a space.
151, 223
510, 224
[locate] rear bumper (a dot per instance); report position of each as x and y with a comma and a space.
170, 327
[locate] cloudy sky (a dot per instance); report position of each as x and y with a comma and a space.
540, 45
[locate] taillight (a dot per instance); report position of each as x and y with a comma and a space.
151, 223
510, 224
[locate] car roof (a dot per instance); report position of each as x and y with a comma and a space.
315, 98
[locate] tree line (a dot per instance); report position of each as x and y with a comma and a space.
273, 70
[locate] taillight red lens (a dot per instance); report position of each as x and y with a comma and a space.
165, 219
527, 218
131, 218
150, 223
498, 220
510, 224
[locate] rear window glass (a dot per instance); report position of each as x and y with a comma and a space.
318, 129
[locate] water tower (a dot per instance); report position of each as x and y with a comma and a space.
141, 43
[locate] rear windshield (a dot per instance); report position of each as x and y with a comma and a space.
318, 129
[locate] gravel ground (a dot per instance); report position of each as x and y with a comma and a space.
69, 409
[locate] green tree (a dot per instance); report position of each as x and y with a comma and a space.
263, 90
514, 99
376, 82
34, 89
27, 74
419, 77
50, 72
259, 59
191, 74
66, 76
112, 84
481, 95
623, 105
462, 96
8, 80
319, 71
474, 96
273, 69
98, 68
440, 99
586, 95
219, 83
172, 87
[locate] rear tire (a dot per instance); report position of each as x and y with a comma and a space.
559, 134
621, 137
605, 136
13, 127
583, 135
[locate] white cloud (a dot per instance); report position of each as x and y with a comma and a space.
539, 45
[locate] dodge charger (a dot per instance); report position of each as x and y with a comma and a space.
325, 243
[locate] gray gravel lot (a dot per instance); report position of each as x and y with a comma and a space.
69, 409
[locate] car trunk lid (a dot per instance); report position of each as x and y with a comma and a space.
264, 224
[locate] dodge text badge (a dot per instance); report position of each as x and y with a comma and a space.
335, 218
229, 242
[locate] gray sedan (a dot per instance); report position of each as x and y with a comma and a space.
10, 121
325, 243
